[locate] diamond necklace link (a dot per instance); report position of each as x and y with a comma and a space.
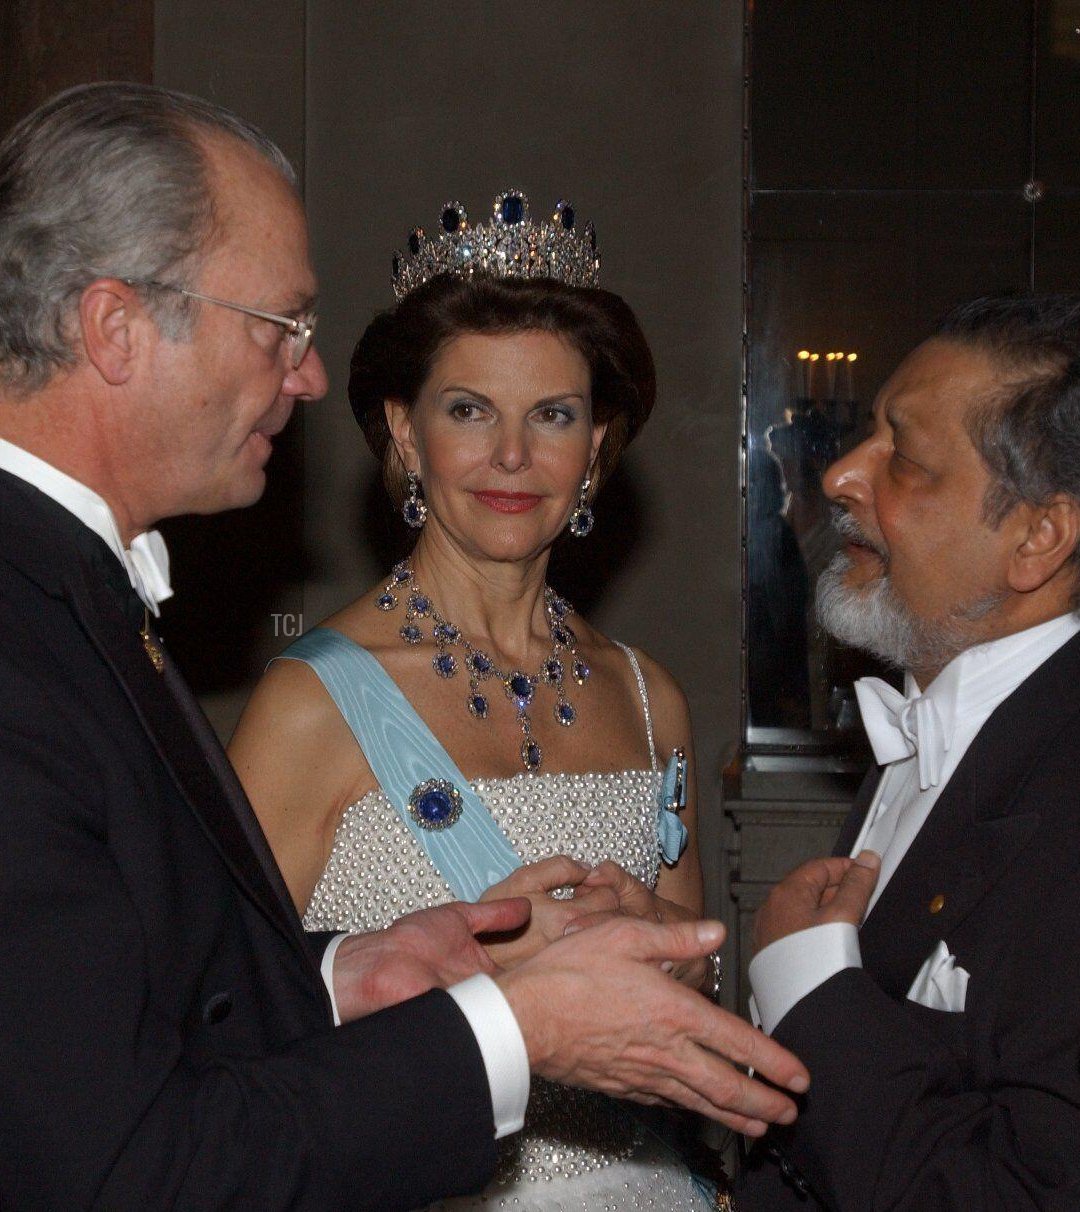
520, 686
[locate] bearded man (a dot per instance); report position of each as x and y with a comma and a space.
930, 982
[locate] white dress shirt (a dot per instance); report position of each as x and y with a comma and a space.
488, 1013
964, 695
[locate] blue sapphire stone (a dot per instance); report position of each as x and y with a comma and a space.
478, 705
447, 633
412, 511
411, 634
581, 522
565, 714
553, 670
386, 601
420, 605
512, 209
520, 688
435, 804
566, 216
531, 755
480, 664
444, 664
560, 608
402, 574
451, 220
581, 672
563, 636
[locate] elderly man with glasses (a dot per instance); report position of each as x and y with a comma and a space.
168, 1036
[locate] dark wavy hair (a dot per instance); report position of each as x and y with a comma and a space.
393, 358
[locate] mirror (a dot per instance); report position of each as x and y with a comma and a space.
892, 173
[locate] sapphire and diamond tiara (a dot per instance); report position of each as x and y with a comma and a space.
510, 246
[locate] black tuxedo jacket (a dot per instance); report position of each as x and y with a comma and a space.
911, 1108
165, 1037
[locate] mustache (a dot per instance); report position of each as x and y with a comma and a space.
847, 528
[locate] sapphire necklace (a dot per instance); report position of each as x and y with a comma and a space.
520, 687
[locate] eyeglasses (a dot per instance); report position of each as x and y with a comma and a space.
301, 332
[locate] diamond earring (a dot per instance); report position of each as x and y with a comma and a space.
582, 520
414, 511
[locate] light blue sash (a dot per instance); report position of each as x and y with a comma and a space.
473, 853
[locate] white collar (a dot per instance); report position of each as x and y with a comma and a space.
147, 560
939, 725
973, 683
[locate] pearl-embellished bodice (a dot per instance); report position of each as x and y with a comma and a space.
377, 870
578, 1150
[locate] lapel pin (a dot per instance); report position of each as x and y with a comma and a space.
937, 903
150, 644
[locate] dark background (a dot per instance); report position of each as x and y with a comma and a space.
877, 170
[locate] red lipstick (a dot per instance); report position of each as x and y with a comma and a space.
508, 502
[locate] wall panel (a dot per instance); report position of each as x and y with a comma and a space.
634, 111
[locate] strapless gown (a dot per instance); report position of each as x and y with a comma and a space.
579, 1151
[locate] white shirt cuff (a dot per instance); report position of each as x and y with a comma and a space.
498, 1036
501, 1047
326, 969
784, 972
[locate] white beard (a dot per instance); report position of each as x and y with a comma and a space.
874, 619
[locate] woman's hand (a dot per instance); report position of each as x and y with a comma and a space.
550, 915
634, 899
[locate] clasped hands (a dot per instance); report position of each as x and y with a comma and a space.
515, 919
594, 895
596, 1004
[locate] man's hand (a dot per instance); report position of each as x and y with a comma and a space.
597, 1010
815, 894
636, 900
550, 915
430, 949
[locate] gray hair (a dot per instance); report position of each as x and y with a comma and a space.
104, 179
1029, 431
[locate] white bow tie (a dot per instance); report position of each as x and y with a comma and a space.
147, 564
898, 727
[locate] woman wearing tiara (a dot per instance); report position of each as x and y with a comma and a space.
458, 731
